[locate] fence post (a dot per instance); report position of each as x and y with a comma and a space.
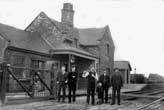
53, 85
33, 84
3, 75
52, 95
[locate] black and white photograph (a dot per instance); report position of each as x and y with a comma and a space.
81, 54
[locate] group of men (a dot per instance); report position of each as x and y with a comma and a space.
63, 79
104, 80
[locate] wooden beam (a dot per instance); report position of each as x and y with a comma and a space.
76, 54
69, 62
33, 69
43, 82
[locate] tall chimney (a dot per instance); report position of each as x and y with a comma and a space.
67, 13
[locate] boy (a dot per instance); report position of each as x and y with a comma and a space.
99, 91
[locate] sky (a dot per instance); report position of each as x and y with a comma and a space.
137, 26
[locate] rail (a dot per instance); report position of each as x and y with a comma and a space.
145, 106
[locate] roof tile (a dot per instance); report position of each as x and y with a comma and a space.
23, 39
90, 36
122, 65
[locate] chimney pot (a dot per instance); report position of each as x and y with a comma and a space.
67, 13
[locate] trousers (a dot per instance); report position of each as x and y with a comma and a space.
114, 91
72, 93
91, 92
63, 88
105, 91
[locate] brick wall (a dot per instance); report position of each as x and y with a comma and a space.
105, 61
46, 28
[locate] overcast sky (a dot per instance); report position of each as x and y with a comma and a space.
137, 26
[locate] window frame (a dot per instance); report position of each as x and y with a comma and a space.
107, 50
18, 60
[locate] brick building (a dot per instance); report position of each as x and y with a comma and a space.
98, 41
125, 68
46, 41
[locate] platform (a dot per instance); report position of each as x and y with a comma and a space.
126, 88
80, 104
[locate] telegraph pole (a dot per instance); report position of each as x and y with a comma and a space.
135, 81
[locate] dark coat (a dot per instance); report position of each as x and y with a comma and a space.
99, 90
91, 81
116, 80
61, 77
72, 78
105, 80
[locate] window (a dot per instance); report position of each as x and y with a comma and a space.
37, 64
68, 42
18, 60
107, 49
76, 43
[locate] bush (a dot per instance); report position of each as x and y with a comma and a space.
155, 78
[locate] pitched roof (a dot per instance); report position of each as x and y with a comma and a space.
33, 41
16, 36
60, 26
90, 36
122, 65
37, 43
23, 39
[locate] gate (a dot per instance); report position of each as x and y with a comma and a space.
34, 83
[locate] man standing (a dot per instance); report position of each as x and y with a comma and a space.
105, 80
117, 83
72, 80
91, 84
61, 81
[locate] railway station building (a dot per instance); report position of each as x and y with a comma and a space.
46, 42
125, 69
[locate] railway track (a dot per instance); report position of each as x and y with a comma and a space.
145, 91
157, 104
159, 92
